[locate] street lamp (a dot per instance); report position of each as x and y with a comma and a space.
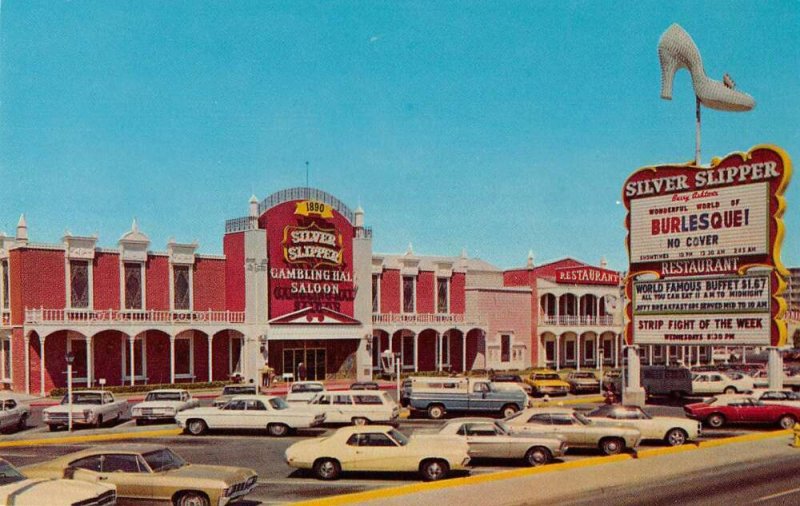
70, 357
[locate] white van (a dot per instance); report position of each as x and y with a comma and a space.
356, 406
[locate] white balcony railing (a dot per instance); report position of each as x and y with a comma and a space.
424, 319
576, 321
104, 316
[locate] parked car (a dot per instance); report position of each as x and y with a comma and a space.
582, 382
151, 473
789, 379
724, 409
514, 379
163, 405
767, 396
304, 391
704, 383
250, 412
13, 414
231, 391
358, 407
547, 383
436, 396
658, 380
365, 385
20, 490
493, 439
672, 430
579, 430
379, 448
89, 408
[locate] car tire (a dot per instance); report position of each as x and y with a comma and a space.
23, 423
327, 469
676, 437
787, 421
538, 456
53, 428
508, 410
434, 469
359, 420
196, 427
436, 411
139, 422
730, 390
277, 429
192, 498
612, 445
715, 420
676, 395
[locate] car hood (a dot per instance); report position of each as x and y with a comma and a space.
550, 383
35, 492
64, 408
227, 474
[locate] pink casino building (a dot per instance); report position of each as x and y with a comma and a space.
298, 282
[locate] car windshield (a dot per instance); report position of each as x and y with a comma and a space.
582, 418
278, 403
583, 375
547, 377
8, 474
307, 387
398, 436
81, 398
163, 460
238, 390
163, 396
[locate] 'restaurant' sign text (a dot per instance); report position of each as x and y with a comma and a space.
587, 275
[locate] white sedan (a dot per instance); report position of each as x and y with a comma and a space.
721, 383
671, 429
784, 397
379, 448
250, 412
13, 414
304, 391
163, 405
358, 407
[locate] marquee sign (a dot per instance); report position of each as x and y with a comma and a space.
310, 248
586, 275
698, 233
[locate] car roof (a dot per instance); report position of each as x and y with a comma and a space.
352, 429
168, 390
246, 397
351, 392
554, 409
111, 448
475, 419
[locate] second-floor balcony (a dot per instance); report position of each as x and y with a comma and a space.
106, 316
421, 319
576, 321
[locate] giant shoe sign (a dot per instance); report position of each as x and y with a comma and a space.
310, 247
704, 249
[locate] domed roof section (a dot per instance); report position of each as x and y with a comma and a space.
134, 235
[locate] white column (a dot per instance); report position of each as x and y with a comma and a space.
634, 393
3, 358
89, 362
597, 361
666, 350
683, 355
617, 346
439, 351
210, 358
650, 354
558, 353
27, 340
131, 360
42, 364
579, 356
416, 352
172, 359
697, 355
775, 368
464, 352
744, 354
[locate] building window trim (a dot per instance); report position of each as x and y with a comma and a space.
376, 294
90, 283
506, 343
588, 349
446, 296
6, 359
122, 286
190, 374
413, 285
5, 285
190, 269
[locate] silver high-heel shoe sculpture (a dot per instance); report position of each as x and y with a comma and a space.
676, 50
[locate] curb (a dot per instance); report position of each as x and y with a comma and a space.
92, 437
519, 473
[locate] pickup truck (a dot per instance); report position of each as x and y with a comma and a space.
89, 407
437, 396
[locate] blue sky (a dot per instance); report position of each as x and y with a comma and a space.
497, 127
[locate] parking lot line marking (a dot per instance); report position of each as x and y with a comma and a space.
779, 494
92, 437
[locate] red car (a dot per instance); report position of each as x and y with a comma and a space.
717, 411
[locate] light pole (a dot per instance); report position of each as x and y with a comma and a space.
70, 359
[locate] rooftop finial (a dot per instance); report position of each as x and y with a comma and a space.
410, 250
22, 229
463, 252
603, 262
134, 226
530, 259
